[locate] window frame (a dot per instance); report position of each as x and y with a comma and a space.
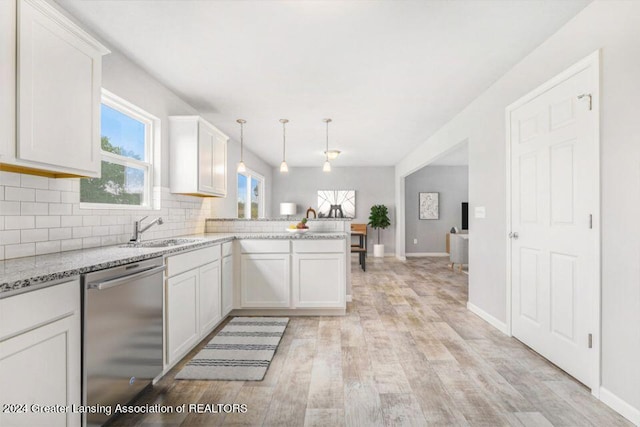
261, 201
150, 165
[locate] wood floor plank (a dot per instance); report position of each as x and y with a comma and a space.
407, 352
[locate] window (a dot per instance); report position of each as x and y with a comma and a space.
250, 190
127, 143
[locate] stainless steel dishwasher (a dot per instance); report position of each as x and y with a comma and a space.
122, 334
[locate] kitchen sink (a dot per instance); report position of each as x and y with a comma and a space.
165, 243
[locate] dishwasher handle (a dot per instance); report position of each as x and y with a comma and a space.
112, 283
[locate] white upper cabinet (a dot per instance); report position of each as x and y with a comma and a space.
7, 79
198, 160
59, 68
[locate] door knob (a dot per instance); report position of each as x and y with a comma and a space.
513, 235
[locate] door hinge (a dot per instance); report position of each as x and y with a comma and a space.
590, 340
585, 95
590, 221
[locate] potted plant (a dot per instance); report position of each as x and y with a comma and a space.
379, 219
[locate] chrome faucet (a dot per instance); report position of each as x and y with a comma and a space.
137, 231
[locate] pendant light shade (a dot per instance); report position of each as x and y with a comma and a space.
283, 166
241, 166
327, 166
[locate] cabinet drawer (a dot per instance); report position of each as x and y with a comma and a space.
177, 264
227, 248
21, 312
265, 246
319, 246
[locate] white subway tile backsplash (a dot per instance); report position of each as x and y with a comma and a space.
70, 221
43, 215
47, 221
9, 208
9, 178
49, 196
79, 232
47, 247
9, 237
20, 194
34, 181
17, 251
60, 233
34, 235
69, 197
19, 222
71, 245
90, 220
62, 184
91, 242
34, 208
60, 209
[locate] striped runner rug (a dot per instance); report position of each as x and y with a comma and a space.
241, 351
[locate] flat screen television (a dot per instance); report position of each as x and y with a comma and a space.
465, 215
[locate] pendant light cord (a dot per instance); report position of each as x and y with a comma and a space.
284, 141
241, 142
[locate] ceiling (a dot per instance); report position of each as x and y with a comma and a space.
389, 73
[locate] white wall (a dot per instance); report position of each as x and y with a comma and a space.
373, 186
614, 27
452, 182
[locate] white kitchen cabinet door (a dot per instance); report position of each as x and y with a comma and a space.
182, 329
206, 152
220, 165
227, 285
40, 354
59, 78
198, 157
265, 280
319, 280
209, 298
7, 79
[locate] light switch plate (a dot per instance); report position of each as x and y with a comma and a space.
480, 212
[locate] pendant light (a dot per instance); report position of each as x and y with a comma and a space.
283, 166
241, 166
327, 165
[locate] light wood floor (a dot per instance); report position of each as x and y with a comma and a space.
408, 352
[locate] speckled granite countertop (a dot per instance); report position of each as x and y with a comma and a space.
21, 273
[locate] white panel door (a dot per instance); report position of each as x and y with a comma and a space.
42, 366
209, 299
554, 154
182, 330
318, 280
227, 285
265, 280
59, 78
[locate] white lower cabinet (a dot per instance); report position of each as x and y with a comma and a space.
40, 355
193, 305
182, 314
318, 280
265, 280
227, 285
210, 292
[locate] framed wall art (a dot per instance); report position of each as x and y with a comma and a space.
429, 205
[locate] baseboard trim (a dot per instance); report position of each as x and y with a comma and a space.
499, 325
401, 258
423, 254
620, 406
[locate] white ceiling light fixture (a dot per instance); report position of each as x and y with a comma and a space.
283, 166
327, 165
332, 154
241, 166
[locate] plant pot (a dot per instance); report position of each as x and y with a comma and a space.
378, 251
